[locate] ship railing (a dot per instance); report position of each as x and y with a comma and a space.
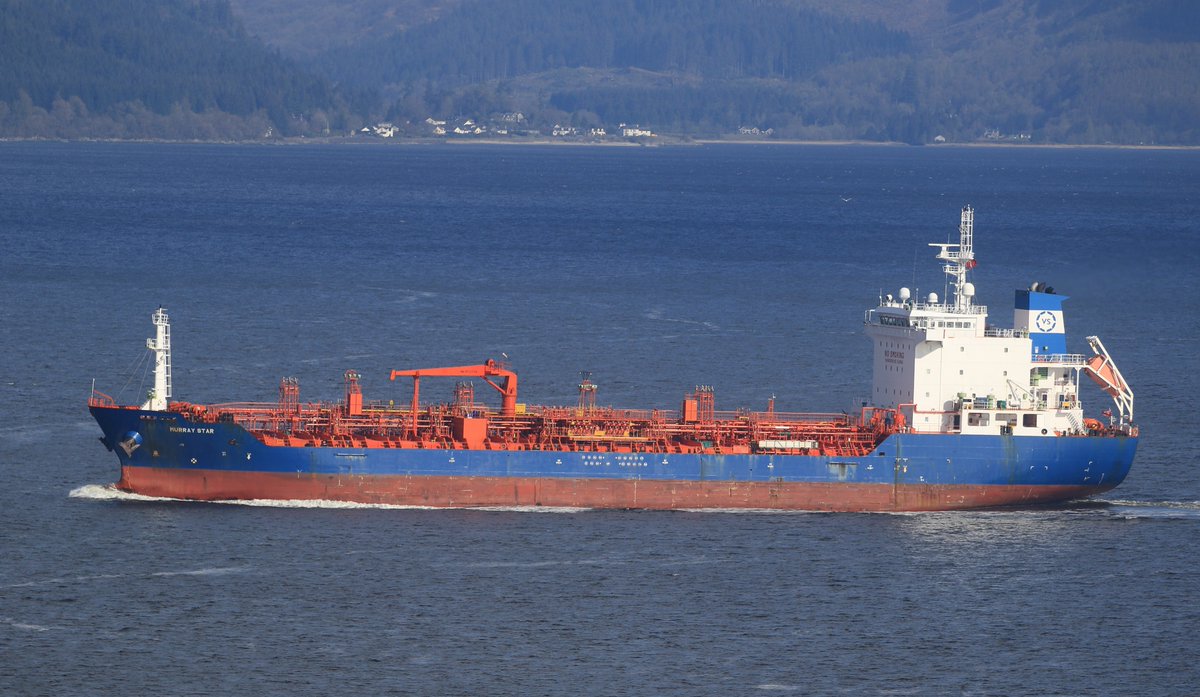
1006, 333
949, 309
261, 407
270, 415
596, 413
389, 407
670, 415
99, 399
1060, 358
785, 417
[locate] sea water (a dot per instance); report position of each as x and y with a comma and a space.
746, 268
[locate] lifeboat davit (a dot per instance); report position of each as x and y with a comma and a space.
1101, 371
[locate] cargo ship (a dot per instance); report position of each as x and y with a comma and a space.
962, 414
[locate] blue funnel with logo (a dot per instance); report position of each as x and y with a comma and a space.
1039, 311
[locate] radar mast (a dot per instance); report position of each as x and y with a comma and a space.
960, 258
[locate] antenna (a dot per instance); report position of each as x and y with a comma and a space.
959, 258
587, 391
914, 276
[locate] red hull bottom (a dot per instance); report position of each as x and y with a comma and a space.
215, 485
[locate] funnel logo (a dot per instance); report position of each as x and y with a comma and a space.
132, 441
1045, 321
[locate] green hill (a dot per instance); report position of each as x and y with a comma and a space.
151, 68
684, 66
1042, 71
478, 42
304, 28
1072, 71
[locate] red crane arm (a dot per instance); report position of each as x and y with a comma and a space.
489, 369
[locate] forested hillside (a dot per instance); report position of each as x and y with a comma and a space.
151, 68
482, 41
685, 66
1062, 71
306, 28
1027, 71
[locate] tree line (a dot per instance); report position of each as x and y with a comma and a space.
1089, 73
482, 41
112, 68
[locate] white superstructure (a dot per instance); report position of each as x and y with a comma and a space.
947, 371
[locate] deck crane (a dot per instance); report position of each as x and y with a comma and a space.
487, 370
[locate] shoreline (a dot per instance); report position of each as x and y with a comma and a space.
659, 142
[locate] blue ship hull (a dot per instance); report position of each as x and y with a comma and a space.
165, 454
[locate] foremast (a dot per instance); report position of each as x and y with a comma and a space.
160, 345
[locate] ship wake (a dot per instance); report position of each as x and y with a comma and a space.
109, 492
1160, 510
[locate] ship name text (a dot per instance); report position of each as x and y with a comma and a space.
193, 429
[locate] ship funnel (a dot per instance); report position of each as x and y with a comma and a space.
1041, 314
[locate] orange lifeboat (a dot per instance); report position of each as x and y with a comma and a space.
1101, 371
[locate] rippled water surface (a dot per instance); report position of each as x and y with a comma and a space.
745, 268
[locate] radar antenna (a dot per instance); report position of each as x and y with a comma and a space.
960, 258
